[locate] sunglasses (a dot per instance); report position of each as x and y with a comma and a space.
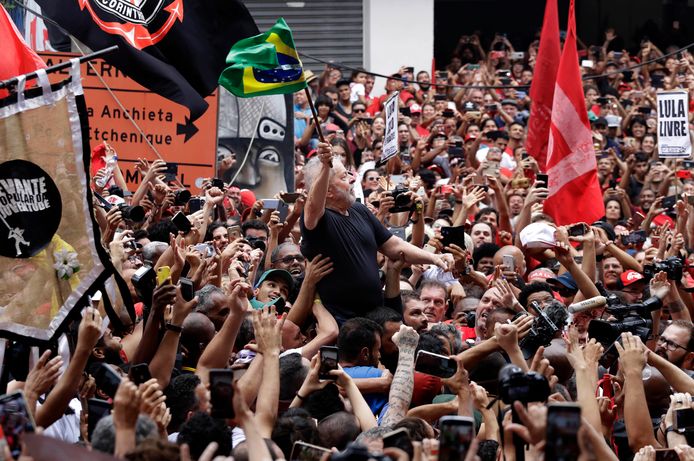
359, 111
372, 178
289, 258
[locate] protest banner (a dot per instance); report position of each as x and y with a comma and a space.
674, 139
51, 259
163, 122
390, 137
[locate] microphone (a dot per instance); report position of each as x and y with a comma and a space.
587, 304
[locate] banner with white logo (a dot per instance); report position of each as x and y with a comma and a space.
390, 137
50, 256
674, 139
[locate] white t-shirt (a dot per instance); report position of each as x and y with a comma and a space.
66, 428
357, 89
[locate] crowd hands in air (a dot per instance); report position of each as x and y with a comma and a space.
231, 352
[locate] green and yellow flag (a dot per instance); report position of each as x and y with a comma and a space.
264, 64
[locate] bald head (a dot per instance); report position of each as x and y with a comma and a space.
518, 258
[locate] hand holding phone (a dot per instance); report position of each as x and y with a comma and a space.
329, 357
222, 393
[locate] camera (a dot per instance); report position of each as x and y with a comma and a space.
132, 213
672, 266
256, 243
524, 387
403, 201
355, 452
634, 318
541, 333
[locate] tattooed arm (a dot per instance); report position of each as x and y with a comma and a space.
403, 381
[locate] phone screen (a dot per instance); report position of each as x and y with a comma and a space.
15, 419
543, 178
171, 172
455, 235
97, 409
107, 380
457, 433
181, 222
435, 364
140, 373
328, 361
577, 230
563, 422
195, 204
187, 288
222, 392
302, 451
684, 419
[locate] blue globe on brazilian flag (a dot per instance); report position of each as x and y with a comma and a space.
264, 64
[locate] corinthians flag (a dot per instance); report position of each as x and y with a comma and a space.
51, 260
175, 48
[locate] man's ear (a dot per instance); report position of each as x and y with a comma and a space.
256, 292
688, 363
98, 353
364, 353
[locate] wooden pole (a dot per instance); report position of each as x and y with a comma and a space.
316, 120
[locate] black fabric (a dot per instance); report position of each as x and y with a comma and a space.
351, 242
184, 65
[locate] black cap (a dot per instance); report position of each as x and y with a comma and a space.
509, 102
342, 82
600, 121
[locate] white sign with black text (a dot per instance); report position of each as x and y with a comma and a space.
674, 139
390, 137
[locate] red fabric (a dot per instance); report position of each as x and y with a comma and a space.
542, 87
426, 387
17, 57
574, 190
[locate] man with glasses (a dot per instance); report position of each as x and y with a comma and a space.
288, 256
676, 343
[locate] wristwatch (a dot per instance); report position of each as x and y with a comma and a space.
175, 328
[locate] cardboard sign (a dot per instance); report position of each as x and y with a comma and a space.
163, 122
390, 137
674, 139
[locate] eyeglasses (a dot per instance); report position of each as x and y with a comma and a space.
670, 345
289, 258
372, 178
378, 147
359, 111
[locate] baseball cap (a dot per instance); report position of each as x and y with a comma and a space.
613, 121
509, 102
277, 274
538, 235
601, 121
564, 281
541, 273
415, 108
470, 137
630, 276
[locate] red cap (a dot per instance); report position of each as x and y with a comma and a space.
662, 219
247, 197
470, 137
630, 276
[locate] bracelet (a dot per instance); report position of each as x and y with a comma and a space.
175, 328
298, 396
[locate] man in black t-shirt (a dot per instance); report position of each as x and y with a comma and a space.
333, 224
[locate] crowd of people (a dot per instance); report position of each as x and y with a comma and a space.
302, 326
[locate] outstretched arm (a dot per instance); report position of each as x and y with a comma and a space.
315, 204
403, 381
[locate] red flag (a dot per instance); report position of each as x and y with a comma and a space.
16, 58
574, 191
542, 87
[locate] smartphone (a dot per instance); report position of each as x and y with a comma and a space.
107, 380
270, 203
234, 232
454, 235
329, 357
666, 454
140, 373
15, 419
637, 218
577, 230
181, 222
163, 275
587, 63
689, 164
563, 422
96, 409
509, 263
144, 281
457, 433
517, 55
448, 113
690, 199
602, 100
543, 178
195, 204
290, 197
657, 80
187, 288
429, 248
216, 182
634, 238
221, 392
669, 202
683, 174
171, 172
302, 451
405, 111
206, 249
520, 183
399, 438
684, 419
435, 364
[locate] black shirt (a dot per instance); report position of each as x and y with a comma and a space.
351, 242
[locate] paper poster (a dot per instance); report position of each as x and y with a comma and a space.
390, 137
674, 139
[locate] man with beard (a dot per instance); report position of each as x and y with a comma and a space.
676, 344
333, 224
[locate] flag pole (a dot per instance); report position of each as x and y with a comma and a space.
315, 118
61, 66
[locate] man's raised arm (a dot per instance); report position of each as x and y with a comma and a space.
317, 181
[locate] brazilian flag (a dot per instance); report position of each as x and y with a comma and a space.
264, 64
